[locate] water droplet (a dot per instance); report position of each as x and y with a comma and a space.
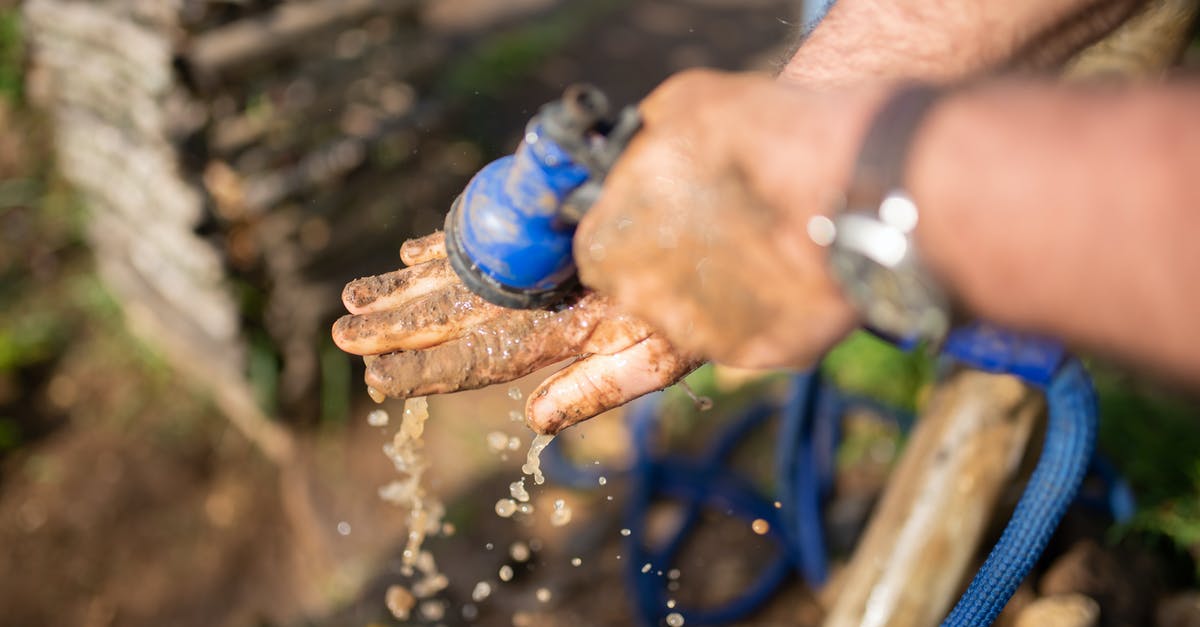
518, 491
482, 591
673, 574
602, 480
543, 595
626, 532
506, 573
489, 546
525, 508
514, 393
448, 529
430, 586
434, 610
561, 514
505, 508
469, 611
519, 551
670, 604
674, 619
760, 526
375, 395
514, 443
497, 441
646, 567
426, 563
576, 561
778, 505
516, 416
399, 601
377, 418
701, 403
343, 528
597, 252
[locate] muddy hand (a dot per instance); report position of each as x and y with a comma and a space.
701, 229
431, 335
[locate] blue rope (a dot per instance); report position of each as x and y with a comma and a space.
1070, 440
695, 484
804, 469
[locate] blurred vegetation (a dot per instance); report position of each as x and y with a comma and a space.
57, 319
12, 55
51, 302
865, 364
506, 57
1153, 436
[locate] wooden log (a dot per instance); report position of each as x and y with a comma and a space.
965, 450
337, 81
916, 553
240, 195
241, 44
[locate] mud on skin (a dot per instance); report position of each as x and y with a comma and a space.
421, 331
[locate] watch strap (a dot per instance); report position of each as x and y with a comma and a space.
880, 168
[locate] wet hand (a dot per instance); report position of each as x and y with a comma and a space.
423, 332
701, 227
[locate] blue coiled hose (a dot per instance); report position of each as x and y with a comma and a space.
807, 440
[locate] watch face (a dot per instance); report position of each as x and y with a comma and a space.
895, 299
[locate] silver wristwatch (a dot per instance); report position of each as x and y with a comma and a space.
872, 252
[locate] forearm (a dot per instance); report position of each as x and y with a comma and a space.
861, 40
1071, 212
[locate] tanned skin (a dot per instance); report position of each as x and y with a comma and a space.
1068, 211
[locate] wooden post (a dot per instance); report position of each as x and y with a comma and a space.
917, 552
963, 452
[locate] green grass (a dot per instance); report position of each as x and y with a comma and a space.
1153, 436
867, 365
336, 385
12, 55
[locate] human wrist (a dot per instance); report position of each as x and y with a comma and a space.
832, 126
868, 232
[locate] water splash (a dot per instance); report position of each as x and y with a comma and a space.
533, 459
518, 491
377, 418
399, 602
505, 508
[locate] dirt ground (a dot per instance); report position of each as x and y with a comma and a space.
130, 500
